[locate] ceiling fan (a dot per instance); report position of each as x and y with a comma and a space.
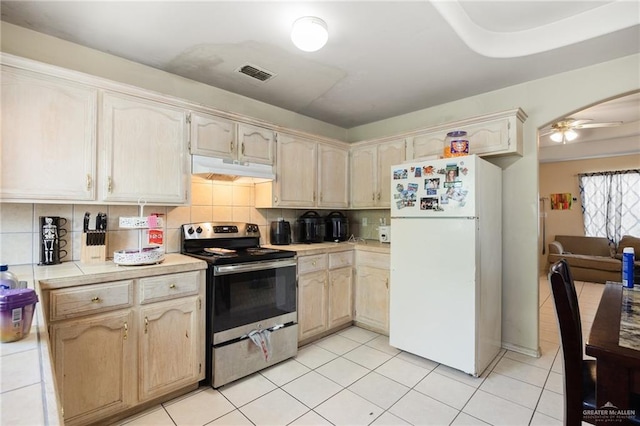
565, 130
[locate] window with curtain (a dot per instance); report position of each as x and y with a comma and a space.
611, 203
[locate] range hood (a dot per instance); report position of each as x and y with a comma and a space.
229, 170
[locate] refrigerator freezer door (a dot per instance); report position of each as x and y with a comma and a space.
435, 188
433, 299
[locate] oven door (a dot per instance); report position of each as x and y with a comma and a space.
254, 295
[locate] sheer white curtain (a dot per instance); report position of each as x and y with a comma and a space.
611, 204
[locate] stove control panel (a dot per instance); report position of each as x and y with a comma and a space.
220, 230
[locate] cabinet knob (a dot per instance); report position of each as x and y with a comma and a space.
109, 184
172, 286
146, 325
126, 331
386, 283
242, 148
89, 182
95, 299
231, 146
314, 263
373, 196
378, 196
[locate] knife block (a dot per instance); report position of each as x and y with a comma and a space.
92, 253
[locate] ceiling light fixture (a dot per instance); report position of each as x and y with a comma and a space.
564, 135
309, 33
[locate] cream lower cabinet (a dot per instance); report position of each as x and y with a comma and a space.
372, 291
95, 365
325, 289
169, 346
118, 344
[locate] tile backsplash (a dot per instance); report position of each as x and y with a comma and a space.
210, 201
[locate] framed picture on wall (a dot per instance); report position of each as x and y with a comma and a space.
561, 201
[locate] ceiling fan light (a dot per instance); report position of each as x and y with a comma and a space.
556, 136
309, 33
570, 135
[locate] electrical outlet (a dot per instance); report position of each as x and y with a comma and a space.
365, 221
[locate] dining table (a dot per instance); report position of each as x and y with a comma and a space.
614, 341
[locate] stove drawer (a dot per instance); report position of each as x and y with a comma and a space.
239, 359
163, 287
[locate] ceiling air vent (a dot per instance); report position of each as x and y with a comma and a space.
256, 73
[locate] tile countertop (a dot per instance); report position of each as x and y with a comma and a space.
27, 387
328, 247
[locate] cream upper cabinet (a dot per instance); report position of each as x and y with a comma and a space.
372, 291
48, 139
488, 135
145, 151
219, 137
212, 136
333, 177
363, 176
370, 173
255, 144
296, 175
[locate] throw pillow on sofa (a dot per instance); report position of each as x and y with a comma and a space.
628, 241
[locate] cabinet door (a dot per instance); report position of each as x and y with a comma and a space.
48, 142
255, 144
95, 366
363, 176
389, 153
491, 137
145, 151
212, 136
171, 347
333, 174
427, 144
372, 298
312, 304
340, 296
296, 172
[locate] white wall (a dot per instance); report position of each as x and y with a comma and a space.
543, 100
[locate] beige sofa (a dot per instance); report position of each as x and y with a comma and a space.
592, 258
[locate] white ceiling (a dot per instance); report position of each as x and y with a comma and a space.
382, 59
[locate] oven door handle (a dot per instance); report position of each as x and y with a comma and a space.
252, 266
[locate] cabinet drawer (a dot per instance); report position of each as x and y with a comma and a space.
340, 259
377, 260
90, 299
313, 263
164, 287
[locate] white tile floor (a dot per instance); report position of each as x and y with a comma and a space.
355, 378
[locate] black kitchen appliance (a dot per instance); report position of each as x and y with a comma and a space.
280, 232
310, 228
250, 292
336, 227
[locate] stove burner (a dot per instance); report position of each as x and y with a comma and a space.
218, 251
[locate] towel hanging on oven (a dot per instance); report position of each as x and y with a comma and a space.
262, 339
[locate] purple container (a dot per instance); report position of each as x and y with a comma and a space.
16, 313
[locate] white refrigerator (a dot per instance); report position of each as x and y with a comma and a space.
446, 261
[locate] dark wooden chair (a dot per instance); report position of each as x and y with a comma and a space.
579, 374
